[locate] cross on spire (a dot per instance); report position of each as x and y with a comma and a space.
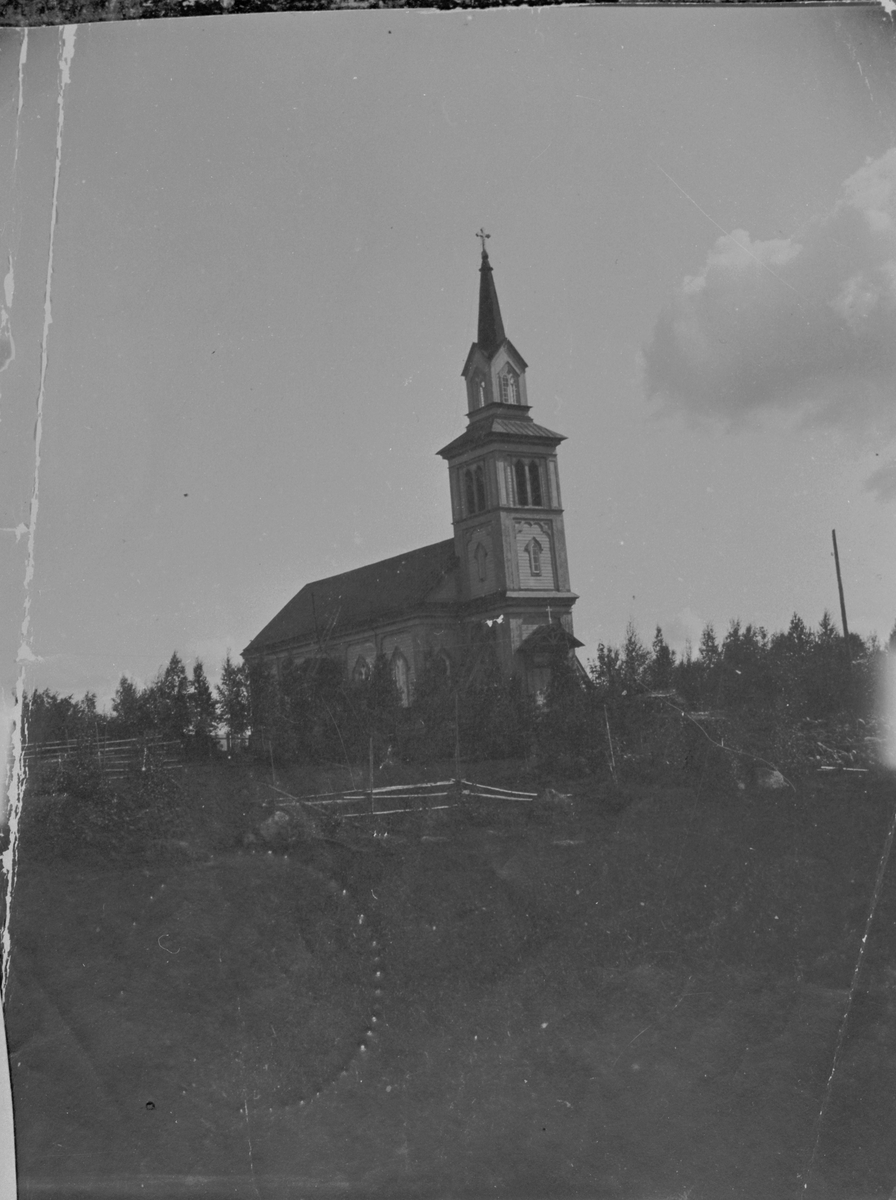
482, 235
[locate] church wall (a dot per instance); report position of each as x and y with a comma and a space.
479, 556
539, 533
554, 483
561, 561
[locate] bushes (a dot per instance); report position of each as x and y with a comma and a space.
70, 807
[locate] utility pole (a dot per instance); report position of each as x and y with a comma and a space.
842, 600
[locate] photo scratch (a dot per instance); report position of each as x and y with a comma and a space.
841, 1032
14, 796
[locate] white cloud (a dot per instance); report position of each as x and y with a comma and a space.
882, 483
686, 626
805, 324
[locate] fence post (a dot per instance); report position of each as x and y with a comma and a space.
370, 773
457, 739
610, 743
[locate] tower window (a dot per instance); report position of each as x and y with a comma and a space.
534, 485
522, 488
480, 391
510, 387
480, 489
475, 495
469, 492
480, 554
533, 549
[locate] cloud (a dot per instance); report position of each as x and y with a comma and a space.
805, 324
882, 483
686, 626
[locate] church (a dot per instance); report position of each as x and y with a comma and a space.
495, 594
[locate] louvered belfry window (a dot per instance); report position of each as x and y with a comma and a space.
469, 493
522, 487
480, 489
534, 485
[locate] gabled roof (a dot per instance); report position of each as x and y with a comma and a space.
329, 607
476, 351
501, 425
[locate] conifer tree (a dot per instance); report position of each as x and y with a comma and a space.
662, 662
233, 698
168, 700
203, 709
129, 715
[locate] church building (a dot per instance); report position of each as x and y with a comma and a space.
497, 593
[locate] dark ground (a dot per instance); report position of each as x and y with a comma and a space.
635, 997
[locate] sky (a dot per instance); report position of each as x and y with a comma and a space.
262, 289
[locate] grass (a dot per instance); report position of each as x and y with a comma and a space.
636, 994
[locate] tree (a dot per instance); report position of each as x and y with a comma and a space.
168, 700
50, 717
635, 657
709, 646
381, 706
662, 662
233, 699
202, 706
129, 715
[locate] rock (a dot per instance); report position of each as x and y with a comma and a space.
275, 828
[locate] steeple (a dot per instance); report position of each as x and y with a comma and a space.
495, 370
491, 328
505, 503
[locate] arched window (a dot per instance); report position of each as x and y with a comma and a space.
443, 664
522, 490
533, 549
400, 675
480, 392
510, 387
361, 669
534, 485
480, 489
480, 554
469, 492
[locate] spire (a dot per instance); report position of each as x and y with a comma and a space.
491, 327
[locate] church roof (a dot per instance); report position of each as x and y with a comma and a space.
328, 607
503, 424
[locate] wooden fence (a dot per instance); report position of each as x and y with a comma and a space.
116, 756
403, 798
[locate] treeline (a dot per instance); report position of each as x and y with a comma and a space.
176, 705
748, 701
741, 701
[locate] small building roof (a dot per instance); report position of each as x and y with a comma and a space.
329, 607
549, 637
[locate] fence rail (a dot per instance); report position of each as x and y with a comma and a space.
402, 798
115, 756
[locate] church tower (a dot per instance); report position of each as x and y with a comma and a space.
505, 499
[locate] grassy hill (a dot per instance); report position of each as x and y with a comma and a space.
637, 993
